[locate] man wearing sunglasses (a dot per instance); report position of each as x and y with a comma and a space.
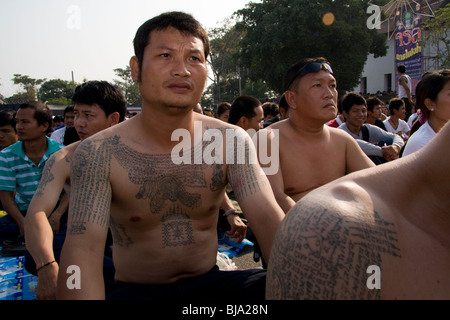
311, 153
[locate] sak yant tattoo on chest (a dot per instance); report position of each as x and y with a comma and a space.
171, 191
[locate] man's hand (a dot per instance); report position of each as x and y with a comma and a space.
238, 229
47, 278
391, 152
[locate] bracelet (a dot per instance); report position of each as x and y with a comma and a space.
43, 266
228, 212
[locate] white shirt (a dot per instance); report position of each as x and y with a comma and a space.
419, 139
58, 135
401, 90
402, 127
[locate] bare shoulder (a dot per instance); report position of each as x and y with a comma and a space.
338, 133
326, 244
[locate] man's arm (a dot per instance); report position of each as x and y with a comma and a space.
38, 231
87, 228
356, 159
276, 180
238, 229
255, 196
10, 206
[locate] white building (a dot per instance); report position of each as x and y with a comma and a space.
379, 74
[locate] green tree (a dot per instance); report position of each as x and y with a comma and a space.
228, 79
438, 35
129, 88
30, 85
57, 91
278, 33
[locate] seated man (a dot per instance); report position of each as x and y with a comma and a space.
365, 237
379, 145
163, 212
21, 166
310, 152
98, 105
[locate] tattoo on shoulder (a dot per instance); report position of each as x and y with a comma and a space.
325, 256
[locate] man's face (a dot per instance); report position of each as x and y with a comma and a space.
376, 111
315, 96
91, 119
27, 126
69, 118
401, 112
173, 71
255, 123
8, 136
356, 116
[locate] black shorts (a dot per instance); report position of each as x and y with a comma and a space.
214, 286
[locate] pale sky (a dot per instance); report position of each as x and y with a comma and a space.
51, 38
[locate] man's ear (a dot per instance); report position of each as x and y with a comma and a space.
134, 66
114, 118
290, 99
243, 123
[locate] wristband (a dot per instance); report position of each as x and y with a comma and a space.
43, 266
228, 212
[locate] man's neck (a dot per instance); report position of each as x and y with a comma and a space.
159, 124
306, 127
35, 149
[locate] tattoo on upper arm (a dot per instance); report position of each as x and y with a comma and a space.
320, 255
47, 176
244, 170
90, 173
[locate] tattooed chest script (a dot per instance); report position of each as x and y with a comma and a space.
169, 189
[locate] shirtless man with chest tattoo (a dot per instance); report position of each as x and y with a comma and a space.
163, 216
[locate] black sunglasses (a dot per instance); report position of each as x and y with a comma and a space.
309, 68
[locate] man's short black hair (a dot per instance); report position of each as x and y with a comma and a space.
183, 22
401, 68
243, 106
8, 118
109, 97
351, 99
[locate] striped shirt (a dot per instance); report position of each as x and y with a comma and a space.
18, 173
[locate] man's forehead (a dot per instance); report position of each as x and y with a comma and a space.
161, 37
358, 106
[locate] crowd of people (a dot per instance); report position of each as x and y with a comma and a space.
102, 193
